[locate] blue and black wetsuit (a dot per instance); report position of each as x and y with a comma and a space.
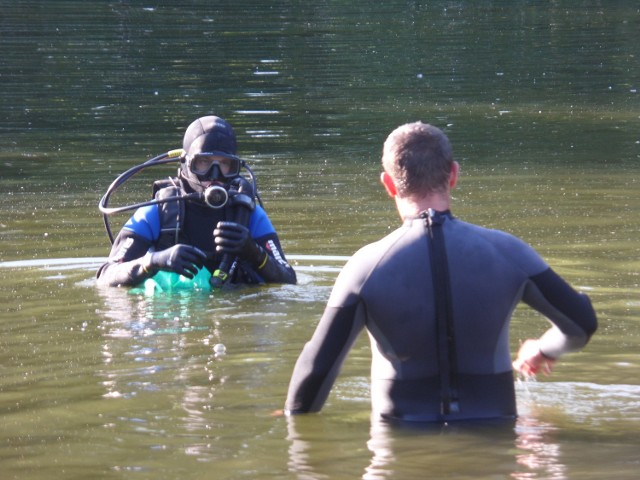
387, 288
144, 232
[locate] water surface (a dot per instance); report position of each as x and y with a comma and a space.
540, 101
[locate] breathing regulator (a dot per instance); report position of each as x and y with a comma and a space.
234, 190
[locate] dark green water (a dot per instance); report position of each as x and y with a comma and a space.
541, 102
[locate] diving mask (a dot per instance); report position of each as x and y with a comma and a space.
202, 164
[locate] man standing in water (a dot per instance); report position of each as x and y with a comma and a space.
183, 237
436, 297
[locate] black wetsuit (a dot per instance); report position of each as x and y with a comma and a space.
387, 288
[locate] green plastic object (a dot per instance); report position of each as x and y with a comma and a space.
166, 282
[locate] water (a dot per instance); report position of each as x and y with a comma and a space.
540, 101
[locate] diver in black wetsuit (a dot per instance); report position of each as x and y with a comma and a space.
436, 298
185, 236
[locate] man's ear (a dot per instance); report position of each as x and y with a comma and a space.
453, 176
389, 186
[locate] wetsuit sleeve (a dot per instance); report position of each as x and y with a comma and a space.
125, 266
321, 359
272, 266
344, 318
571, 313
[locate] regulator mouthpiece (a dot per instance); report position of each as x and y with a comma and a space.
216, 196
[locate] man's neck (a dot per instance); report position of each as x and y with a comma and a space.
411, 207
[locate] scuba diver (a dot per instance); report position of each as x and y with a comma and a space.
205, 217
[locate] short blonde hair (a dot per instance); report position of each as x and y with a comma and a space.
419, 158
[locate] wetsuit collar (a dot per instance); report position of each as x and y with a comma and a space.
444, 213
425, 213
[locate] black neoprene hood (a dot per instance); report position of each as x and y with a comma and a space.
210, 134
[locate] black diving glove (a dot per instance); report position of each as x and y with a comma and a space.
234, 239
182, 259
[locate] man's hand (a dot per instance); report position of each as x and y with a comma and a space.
182, 259
531, 360
234, 239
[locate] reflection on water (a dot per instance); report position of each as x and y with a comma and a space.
524, 451
161, 350
539, 456
534, 446
147, 351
